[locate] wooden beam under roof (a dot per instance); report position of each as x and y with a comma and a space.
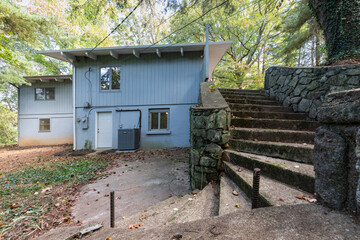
136, 53
114, 54
68, 56
158, 52
91, 55
44, 80
59, 79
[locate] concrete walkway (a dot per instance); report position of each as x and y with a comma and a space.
138, 184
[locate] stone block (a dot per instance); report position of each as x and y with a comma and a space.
225, 137
210, 121
298, 90
353, 72
295, 100
214, 135
221, 119
294, 81
313, 85
214, 150
305, 80
330, 168
194, 157
304, 105
208, 162
199, 122
281, 80
354, 80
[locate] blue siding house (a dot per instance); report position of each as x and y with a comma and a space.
45, 112
149, 88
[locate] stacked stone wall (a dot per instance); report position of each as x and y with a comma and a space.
337, 151
304, 89
209, 134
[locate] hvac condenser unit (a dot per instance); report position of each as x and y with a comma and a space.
128, 139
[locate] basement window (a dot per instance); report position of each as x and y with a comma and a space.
44, 125
44, 94
159, 121
110, 78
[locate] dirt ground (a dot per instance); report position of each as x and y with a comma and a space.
13, 158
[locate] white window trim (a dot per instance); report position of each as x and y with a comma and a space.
159, 131
44, 131
44, 93
110, 83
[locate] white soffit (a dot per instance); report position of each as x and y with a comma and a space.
48, 78
216, 51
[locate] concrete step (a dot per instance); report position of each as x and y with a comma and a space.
228, 201
273, 135
254, 107
270, 115
299, 175
272, 192
205, 204
285, 124
157, 215
252, 101
243, 92
251, 97
239, 90
289, 151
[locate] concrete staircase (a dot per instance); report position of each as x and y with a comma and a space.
264, 135
273, 138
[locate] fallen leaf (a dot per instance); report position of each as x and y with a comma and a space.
312, 200
237, 205
256, 140
102, 223
107, 185
300, 196
88, 203
143, 217
109, 239
282, 200
46, 189
235, 193
1, 224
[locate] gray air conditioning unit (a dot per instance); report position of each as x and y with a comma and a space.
128, 139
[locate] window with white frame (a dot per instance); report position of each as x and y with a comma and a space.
110, 78
44, 94
159, 120
44, 125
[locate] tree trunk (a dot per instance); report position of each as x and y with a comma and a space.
340, 21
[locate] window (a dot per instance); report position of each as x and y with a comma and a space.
44, 125
44, 93
159, 120
110, 78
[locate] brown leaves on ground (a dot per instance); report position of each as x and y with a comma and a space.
135, 226
310, 199
143, 217
235, 193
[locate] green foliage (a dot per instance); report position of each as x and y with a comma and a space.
23, 189
8, 123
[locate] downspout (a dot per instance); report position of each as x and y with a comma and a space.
206, 56
74, 108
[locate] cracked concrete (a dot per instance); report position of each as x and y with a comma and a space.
137, 185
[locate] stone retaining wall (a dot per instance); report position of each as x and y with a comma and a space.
209, 133
337, 151
304, 89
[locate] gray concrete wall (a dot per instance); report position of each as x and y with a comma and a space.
304, 89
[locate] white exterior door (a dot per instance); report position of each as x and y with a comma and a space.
104, 130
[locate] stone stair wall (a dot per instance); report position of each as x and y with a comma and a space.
337, 152
304, 89
209, 134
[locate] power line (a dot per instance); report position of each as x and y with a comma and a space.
117, 26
